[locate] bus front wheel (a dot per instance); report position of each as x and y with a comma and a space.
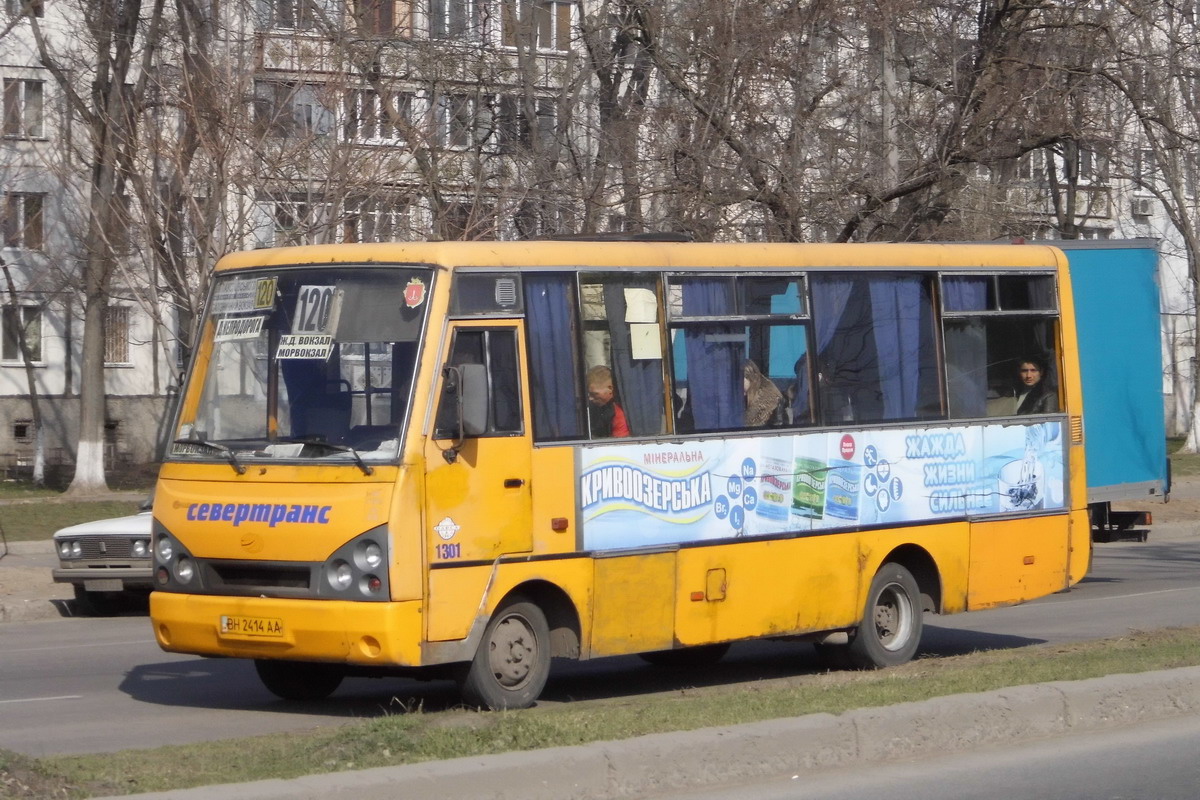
512, 663
890, 631
298, 680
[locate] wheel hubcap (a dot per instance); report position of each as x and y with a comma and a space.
893, 617
513, 652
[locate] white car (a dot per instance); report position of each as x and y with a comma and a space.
108, 561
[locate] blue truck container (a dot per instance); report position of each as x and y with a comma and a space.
1118, 319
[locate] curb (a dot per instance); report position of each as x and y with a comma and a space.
711, 757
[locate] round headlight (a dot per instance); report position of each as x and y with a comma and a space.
64, 549
372, 555
141, 548
185, 570
340, 575
165, 549
76, 549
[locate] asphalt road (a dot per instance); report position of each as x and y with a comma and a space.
100, 685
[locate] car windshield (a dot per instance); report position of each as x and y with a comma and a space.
305, 363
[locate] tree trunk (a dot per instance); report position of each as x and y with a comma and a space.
89, 458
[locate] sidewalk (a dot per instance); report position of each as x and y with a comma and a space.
714, 757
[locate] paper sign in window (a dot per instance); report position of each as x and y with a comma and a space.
640, 306
644, 341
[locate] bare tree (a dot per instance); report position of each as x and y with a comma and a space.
113, 55
1154, 68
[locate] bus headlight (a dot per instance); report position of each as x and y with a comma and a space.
165, 549
340, 575
185, 570
358, 569
370, 555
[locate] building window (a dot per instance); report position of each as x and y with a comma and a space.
299, 222
14, 318
23, 108
454, 19
378, 219
543, 24
22, 430
367, 119
382, 17
116, 335
23, 220
513, 127
34, 8
291, 110
289, 14
456, 120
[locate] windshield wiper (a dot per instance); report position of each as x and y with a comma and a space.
220, 448
339, 448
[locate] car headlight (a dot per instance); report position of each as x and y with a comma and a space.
141, 548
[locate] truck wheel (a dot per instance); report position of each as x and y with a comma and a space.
97, 604
512, 663
890, 631
298, 680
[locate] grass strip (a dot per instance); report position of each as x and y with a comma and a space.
416, 735
37, 521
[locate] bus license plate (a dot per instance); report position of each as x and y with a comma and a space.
267, 627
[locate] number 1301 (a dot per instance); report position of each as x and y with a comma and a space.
445, 551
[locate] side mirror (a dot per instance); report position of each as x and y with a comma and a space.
466, 387
473, 396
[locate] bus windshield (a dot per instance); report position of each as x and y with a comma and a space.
305, 363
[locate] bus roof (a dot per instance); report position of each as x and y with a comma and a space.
659, 255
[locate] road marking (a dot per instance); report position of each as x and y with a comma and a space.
74, 646
40, 699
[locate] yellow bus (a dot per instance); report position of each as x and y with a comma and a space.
468, 458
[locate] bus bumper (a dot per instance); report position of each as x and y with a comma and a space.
367, 634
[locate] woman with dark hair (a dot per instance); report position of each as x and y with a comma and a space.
1032, 395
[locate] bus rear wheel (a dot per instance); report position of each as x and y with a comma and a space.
298, 680
890, 631
512, 663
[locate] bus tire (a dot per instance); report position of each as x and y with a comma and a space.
298, 680
890, 631
699, 656
512, 663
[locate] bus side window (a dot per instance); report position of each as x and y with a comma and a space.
495, 349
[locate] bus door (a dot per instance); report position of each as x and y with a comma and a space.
478, 500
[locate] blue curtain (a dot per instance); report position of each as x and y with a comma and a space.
549, 318
830, 294
896, 308
964, 293
966, 346
639, 382
714, 361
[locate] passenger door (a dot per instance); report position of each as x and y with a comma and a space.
478, 504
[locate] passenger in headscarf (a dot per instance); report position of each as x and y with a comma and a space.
764, 401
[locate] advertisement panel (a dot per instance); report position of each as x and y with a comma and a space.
637, 495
